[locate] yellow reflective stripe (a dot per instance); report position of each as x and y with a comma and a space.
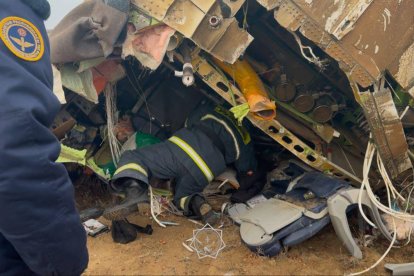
228, 129
193, 155
182, 202
131, 166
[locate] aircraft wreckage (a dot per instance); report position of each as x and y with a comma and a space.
326, 85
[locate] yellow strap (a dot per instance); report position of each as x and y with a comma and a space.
131, 166
193, 155
71, 155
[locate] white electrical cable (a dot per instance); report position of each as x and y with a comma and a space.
367, 164
392, 194
313, 58
152, 209
382, 257
112, 119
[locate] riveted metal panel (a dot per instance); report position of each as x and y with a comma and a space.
155, 8
204, 5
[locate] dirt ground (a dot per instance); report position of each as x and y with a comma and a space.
163, 254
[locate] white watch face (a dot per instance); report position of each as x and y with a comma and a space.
59, 8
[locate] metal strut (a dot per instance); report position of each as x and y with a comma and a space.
219, 83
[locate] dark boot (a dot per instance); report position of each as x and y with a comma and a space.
200, 207
135, 193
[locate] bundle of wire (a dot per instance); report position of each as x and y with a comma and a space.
112, 120
392, 196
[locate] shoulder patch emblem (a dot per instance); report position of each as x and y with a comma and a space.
22, 38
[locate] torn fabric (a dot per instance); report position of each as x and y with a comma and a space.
91, 30
80, 83
88, 79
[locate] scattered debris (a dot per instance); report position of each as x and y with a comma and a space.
94, 227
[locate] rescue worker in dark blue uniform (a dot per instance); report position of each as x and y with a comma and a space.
193, 156
40, 229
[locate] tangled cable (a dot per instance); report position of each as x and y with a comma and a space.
112, 119
392, 195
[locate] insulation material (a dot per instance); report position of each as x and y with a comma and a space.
90, 80
252, 88
109, 71
405, 74
80, 83
88, 64
149, 45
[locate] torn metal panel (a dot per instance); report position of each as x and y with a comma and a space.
234, 5
405, 71
233, 44
269, 4
272, 128
185, 17
347, 23
366, 37
204, 5
386, 128
157, 9
203, 23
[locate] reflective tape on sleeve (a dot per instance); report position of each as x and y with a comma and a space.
194, 156
131, 166
183, 202
228, 129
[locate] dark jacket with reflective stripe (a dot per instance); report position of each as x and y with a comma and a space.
238, 149
205, 148
40, 230
235, 139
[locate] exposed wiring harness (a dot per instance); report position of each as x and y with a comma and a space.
112, 120
154, 205
392, 196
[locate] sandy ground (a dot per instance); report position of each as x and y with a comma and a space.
163, 253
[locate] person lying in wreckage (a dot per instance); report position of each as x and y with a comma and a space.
211, 140
193, 156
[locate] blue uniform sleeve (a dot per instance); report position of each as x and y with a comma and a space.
37, 209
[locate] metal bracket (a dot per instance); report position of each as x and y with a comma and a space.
219, 83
